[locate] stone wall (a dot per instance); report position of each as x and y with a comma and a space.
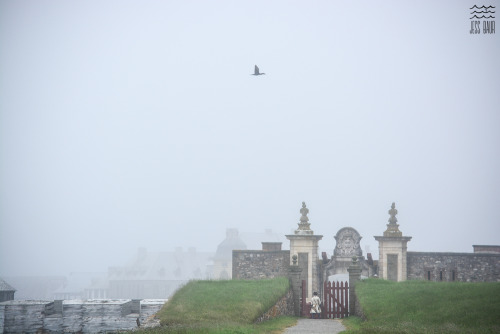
259, 264
75, 316
285, 306
149, 307
358, 309
463, 267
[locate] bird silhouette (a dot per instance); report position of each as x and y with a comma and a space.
256, 71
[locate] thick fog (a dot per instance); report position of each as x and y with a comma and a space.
127, 124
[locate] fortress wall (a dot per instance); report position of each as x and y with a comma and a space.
75, 316
22, 317
149, 307
464, 267
260, 264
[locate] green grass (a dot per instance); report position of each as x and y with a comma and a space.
426, 307
223, 307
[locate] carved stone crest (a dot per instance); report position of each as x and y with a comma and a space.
347, 243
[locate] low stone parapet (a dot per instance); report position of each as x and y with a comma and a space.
76, 316
284, 306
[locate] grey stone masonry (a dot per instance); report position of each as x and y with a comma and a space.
284, 306
295, 281
259, 264
354, 276
271, 246
463, 267
75, 316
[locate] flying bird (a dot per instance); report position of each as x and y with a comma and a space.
256, 71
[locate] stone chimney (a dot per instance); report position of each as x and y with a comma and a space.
271, 246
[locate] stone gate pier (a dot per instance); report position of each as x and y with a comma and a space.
304, 245
392, 250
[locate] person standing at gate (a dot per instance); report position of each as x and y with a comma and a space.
315, 306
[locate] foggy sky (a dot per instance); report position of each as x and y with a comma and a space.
127, 124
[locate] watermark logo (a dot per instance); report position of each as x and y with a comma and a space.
482, 17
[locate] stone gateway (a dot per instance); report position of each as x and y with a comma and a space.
302, 261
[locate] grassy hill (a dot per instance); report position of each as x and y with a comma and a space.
223, 307
427, 307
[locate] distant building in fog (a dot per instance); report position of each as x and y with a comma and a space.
98, 288
222, 268
6, 291
79, 285
36, 287
157, 274
222, 264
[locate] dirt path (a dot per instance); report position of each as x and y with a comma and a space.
316, 326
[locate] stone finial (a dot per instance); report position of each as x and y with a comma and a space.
392, 227
393, 212
294, 259
304, 221
304, 211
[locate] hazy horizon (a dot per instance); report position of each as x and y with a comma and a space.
127, 124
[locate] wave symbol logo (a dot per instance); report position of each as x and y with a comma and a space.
482, 10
